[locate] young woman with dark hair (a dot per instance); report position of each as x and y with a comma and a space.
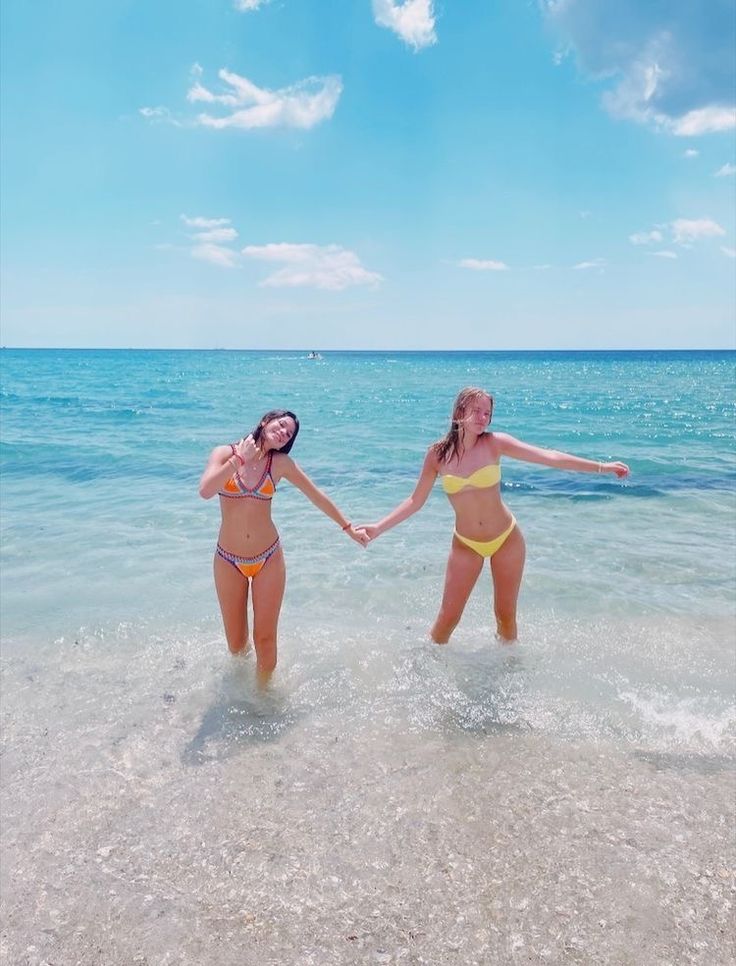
468, 462
248, 556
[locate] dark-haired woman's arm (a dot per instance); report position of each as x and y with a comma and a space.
291, 471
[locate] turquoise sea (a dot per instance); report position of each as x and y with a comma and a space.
568, 799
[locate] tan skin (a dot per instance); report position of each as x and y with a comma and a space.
247, 529
481, 514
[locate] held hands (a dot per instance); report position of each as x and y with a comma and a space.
368, 530
358, 534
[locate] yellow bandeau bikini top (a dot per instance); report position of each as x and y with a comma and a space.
482, 478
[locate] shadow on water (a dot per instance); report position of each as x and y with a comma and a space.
241, 715
476, 693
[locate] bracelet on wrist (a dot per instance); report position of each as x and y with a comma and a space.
236, 454
600, 466
346, 527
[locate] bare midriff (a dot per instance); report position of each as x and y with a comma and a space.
480, 514
246, 526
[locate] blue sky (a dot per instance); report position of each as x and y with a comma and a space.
369, 174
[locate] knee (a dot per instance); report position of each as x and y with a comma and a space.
237, 645
265, 645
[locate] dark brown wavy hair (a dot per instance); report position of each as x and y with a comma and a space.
449, 445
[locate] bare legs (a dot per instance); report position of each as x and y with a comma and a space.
268, 593
507, 567
232, 593
463, 568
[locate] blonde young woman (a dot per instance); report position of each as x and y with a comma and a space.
468, 461
248, 557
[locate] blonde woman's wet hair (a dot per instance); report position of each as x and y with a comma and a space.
449, 445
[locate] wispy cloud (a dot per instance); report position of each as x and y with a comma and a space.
730, 252
243, 105
663, 254
215, 255
412, 20
244, 5
671, 65
217, 235
690, 153
329, 267
646, 237
594, 263
159, 115
726, 171
210, 240
686, 230
302, 105
682, 231
706, 120
483, 265
199, 222
315, 266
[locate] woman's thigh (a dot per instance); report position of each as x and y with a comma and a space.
268, 593
463, 568
232, 593
507, 568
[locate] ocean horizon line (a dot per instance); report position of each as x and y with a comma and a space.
382, 351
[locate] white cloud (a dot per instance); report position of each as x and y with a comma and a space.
595, 263
215, 254
726, 171
210, 240
690, 153
217, 235
686, 230
316, 266
663, 254
706, 120
412, 20
483, 265
244, 5
669, 65
302, 105
204, 222
158, 115
646, 237
682, 231
731, 252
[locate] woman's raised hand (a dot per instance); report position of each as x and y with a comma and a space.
248, 450
620, 469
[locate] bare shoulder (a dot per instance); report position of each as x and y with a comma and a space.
281, 465
221, 452
498, 443
431, 460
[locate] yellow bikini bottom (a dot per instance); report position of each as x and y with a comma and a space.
487, 548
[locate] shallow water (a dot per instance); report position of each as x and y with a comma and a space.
568, 799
